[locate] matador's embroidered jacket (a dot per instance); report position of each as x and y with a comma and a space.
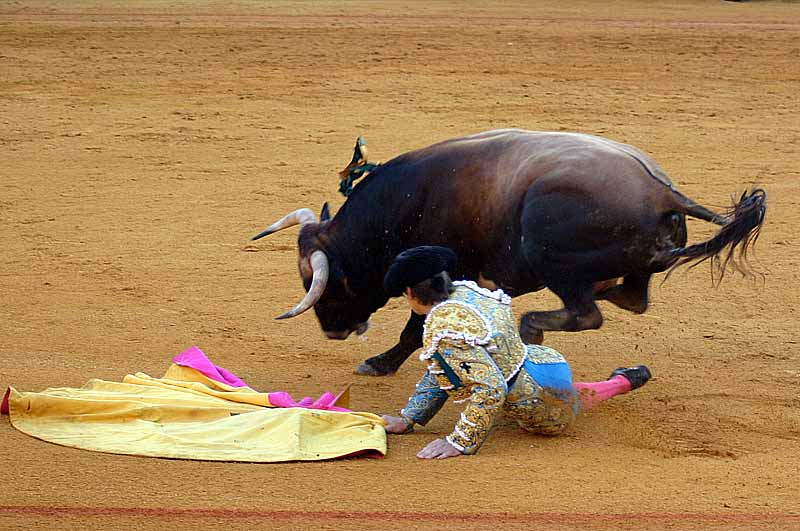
474, 352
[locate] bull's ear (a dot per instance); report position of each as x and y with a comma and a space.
325, 215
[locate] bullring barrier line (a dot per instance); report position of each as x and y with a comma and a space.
222, 16
541, 517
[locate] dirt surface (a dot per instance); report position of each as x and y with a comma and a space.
143, 143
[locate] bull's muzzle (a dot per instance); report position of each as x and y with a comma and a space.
344, 334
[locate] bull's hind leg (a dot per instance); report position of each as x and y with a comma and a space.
579, 313
573, 239
631, 295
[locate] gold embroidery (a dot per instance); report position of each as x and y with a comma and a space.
472, 318
476, 336
542, 354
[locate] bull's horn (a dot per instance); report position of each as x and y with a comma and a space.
298, 217
320, 266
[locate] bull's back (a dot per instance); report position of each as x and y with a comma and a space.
490, 173
507, 155
471, 193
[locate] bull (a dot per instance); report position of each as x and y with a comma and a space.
586, 217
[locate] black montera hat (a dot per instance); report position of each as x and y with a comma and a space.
415, 265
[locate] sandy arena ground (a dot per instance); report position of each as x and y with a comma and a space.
142, 144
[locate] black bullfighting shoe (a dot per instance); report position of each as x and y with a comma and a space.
637, 376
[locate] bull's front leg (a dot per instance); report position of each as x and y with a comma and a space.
391, 360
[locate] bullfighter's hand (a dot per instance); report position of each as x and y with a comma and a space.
396, 425
438, 449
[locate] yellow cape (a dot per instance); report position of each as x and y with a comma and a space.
186, 415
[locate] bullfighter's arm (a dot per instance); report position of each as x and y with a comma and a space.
473, 375
427, 400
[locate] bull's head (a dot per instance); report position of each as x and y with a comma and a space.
340, 310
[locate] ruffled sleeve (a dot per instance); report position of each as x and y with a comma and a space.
454, 322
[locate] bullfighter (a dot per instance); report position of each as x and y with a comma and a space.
475, 355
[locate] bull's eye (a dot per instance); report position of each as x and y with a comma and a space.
346, 285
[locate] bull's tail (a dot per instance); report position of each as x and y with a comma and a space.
690, 208
728, 249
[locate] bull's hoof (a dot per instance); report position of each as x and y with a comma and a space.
531, 336
365, 369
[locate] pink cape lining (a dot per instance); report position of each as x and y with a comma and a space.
194, 358
4, 404
327, 401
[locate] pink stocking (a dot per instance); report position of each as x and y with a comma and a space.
592, 393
